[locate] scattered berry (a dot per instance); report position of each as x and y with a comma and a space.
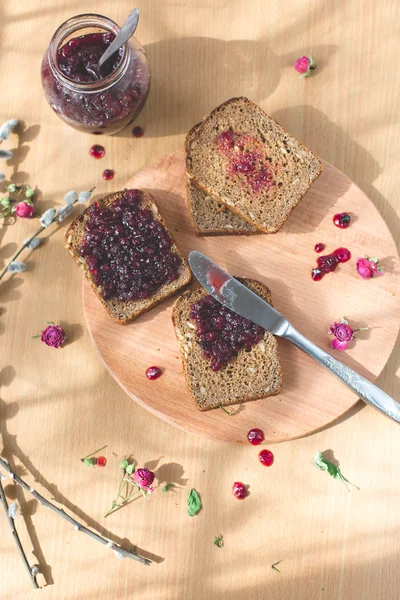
97, 151
342, 220
239, 490
319, 247
101, 461
137, 132
266, 458
255, 436
153, 373
108, 174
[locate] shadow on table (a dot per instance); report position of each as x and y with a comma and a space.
193, 75
331, 143
12, 451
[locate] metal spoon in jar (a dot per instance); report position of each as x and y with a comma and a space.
127, 30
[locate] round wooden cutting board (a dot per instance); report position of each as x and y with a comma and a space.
311, 397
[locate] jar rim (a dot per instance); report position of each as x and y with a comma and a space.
68, 27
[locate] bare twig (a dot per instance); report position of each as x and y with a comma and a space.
118, 551
10, 520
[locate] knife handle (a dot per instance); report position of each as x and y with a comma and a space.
366, 390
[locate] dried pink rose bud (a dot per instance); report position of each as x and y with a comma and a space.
305, 65
24, 210
144, 478
368, 267
53, 336
343, 335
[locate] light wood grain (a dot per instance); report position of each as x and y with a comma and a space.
283, 262
56, 406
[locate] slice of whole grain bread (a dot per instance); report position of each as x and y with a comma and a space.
249, 376
119, 311
208, 216
292, 167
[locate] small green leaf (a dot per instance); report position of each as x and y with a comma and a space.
228, 412
123, 464
49, 322
374, 259
218, 541
130, 469
325, 465
194, 502
12, 188
168, 487
88, 462
344, 321
274, 567
35, 336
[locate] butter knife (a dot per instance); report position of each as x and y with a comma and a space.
238, 298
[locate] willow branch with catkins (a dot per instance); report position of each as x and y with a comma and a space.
49, 217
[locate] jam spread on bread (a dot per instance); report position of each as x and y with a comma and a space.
246, 160
127, 250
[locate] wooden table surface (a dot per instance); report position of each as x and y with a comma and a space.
57, 406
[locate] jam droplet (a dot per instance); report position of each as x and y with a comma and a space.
138, 132
329, 262
97, 151
239, 490
108, 174
319, 247
255, 436
153, 373
101, 461
266, 458
342, 220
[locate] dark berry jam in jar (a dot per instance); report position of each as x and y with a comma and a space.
104, 103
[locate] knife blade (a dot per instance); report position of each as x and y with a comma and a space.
238, 298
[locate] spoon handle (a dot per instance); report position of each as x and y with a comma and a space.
127, 30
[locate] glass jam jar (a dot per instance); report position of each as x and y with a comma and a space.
99, 106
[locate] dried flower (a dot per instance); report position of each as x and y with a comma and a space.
12, 510
70, 197
368, 267
47, 217
64, 212
305, 65
33, 244
24, 210
7, 128
29, 192
144, 478
84, 197
16, 267
6, 154
344, 334
53, 336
